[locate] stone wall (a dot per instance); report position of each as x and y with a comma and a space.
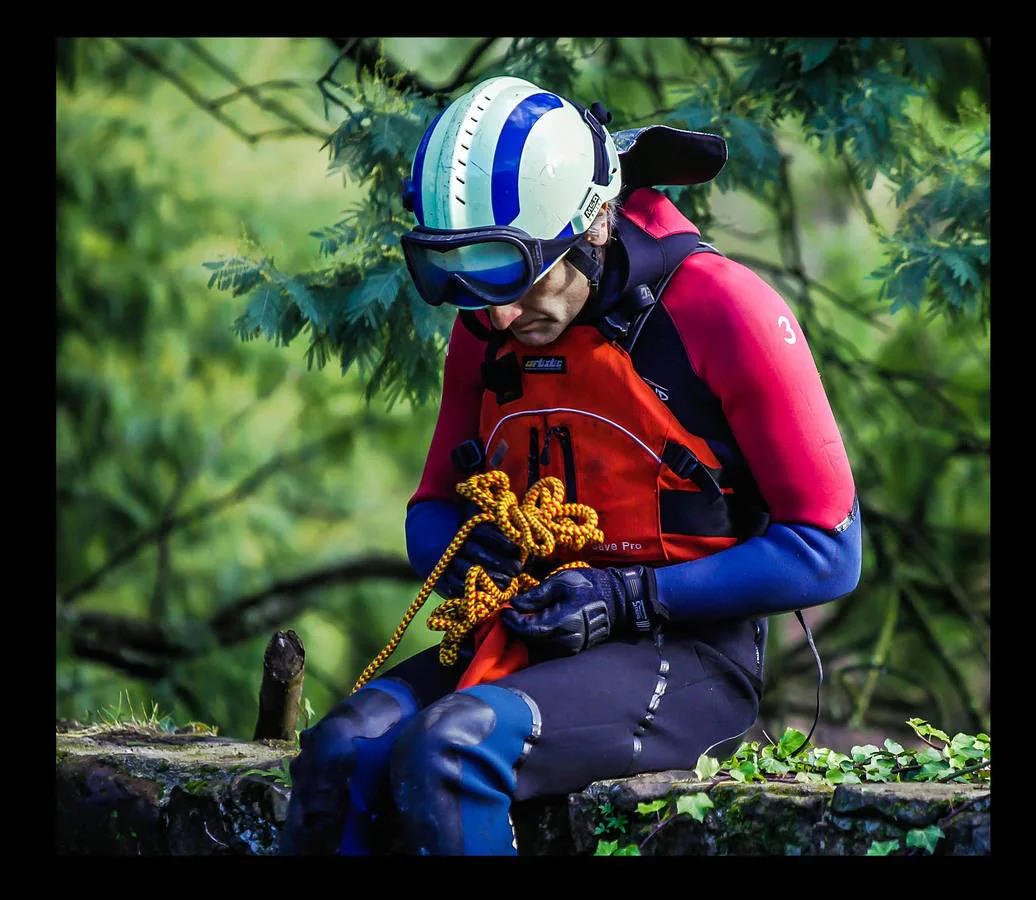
134, 792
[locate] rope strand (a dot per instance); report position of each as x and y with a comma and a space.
541, 523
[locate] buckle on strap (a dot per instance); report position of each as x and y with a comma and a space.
469, 456
503, 377
686, 465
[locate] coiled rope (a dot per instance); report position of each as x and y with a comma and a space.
539, 524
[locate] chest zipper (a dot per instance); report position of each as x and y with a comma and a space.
534, 456
565, 440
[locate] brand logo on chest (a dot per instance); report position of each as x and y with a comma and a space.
544, 365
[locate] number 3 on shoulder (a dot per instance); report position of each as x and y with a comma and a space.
783, 323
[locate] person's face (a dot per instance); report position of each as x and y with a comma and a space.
544, 311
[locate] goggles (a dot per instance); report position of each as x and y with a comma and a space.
478, 267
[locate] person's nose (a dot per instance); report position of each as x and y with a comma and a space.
503, 316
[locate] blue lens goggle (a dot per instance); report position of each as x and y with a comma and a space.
478, 267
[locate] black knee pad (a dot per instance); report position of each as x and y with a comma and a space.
452, 771
328, 758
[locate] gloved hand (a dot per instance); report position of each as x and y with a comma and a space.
488, 547
579, 608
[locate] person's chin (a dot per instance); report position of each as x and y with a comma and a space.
535, 337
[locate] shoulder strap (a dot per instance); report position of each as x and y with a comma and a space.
640, 317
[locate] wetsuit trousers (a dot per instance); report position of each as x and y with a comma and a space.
456, 760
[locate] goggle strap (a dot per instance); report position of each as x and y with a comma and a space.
587, 259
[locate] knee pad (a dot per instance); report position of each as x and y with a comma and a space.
342, 765
452, 771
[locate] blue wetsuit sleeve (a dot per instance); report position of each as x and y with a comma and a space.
430, 526
789, 567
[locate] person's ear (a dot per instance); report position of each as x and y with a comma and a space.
599, 232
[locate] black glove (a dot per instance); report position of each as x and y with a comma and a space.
579, 608
488, 547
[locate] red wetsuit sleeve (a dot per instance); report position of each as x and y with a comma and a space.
458, 415
746, 345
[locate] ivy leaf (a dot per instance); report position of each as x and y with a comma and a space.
749, 770
882, 848
628, 850
934, 769
924, 837
892, 746
862, 754
606, 848
789, 741
773, 766
694, 805
707, 767
648, 808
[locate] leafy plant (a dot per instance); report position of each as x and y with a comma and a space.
789, 759
280, 776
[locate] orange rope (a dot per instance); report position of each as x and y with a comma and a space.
538, 525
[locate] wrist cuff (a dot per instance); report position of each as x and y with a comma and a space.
638, 604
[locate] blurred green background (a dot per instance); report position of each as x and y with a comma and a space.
211, 491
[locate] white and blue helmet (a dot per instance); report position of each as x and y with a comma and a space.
503, 183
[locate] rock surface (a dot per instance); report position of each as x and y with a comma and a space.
136, 792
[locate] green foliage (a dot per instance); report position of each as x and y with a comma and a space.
939, 251
882, 848
864, 763
124, 714
265, 470
362, 307
783, 761
280, 775
854, 98
926, 838
170, 411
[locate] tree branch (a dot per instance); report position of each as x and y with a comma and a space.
154, 63
366, 57
957, 678
250, 484
257, 613
252, 93
151, 652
